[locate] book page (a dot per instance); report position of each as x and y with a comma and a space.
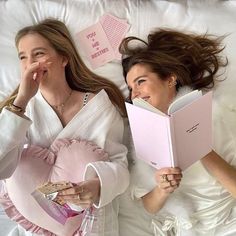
183, 101
139, 102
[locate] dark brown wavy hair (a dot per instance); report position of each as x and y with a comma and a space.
194, 59
78, 75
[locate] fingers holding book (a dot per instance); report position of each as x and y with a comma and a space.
164, 178
169, 179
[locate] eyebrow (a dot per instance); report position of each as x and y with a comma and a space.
35, 49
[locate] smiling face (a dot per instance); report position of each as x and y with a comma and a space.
147, 85
35, 48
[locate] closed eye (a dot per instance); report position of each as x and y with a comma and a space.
39, 53
22, 57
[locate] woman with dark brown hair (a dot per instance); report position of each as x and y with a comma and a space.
200, 200
63, 123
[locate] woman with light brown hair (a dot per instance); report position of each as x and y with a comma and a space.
60, 108
198, 201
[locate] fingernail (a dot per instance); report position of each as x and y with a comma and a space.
34, 75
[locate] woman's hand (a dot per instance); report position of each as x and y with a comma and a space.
168, 179
30, 81
84, 194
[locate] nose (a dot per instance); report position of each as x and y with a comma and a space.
30, 60
135, 93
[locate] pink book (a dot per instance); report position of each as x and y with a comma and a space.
179, 138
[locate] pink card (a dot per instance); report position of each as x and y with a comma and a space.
115, 30
101, 41
96, 45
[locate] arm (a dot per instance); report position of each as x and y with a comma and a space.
113, 174
221, 170
168, 180
221, 163
13, 124
13, 132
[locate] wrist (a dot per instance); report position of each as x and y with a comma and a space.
16, 108
19, 103
163, 194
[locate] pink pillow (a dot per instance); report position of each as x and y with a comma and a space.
64, 160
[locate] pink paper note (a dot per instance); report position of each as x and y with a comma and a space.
96, 45
115, 30
101, 41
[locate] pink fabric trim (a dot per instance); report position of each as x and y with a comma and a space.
43, 153
15, 215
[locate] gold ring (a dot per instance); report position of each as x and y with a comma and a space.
164, 178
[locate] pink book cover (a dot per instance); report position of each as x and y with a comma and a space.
192, 131
150, 136
180, 139
96, 45
56, 211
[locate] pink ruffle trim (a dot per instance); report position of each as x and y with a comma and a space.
50, 155
16, 216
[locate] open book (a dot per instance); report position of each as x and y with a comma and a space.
179, 138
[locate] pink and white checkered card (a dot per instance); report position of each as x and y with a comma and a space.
115, 30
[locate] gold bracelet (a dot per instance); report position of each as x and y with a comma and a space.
15, 108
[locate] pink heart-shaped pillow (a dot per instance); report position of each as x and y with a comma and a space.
65, 160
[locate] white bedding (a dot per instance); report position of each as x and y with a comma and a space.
214, 16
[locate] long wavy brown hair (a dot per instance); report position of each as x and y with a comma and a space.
194, 59
78, 75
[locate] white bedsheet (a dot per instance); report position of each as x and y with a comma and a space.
214, 16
